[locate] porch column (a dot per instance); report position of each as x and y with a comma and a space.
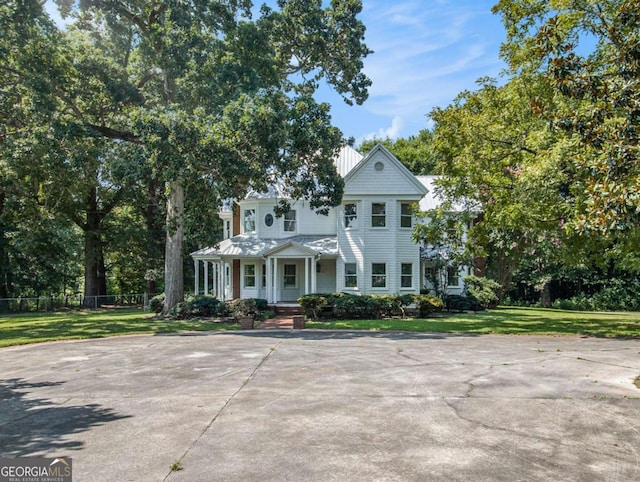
223, 280
275, 279
206, 277
307, 278
219, 279
314, 277
269, 282
197, 277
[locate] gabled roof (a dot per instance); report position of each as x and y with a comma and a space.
379, 152
243, 246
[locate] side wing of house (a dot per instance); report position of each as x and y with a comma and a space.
376, 254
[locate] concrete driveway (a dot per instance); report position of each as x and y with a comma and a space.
258, 406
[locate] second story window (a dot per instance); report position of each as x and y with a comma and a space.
406, 215
249, 220
351, 215
378, 215
290, 221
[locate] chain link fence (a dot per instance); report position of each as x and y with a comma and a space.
76, 301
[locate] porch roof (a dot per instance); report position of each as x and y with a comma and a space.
243, 246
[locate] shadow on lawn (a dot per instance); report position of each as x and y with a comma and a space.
30, 425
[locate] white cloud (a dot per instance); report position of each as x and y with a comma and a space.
425, 53
390, 132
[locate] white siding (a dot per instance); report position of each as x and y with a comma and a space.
326, 278
308, 222
393, 179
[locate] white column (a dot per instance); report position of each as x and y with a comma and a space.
219, 279
197, 277
223, 280
314, 275
269, 286
275, 279
206, 277
307, 278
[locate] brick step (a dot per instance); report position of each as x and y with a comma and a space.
287, 310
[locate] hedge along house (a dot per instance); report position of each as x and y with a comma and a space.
363, 246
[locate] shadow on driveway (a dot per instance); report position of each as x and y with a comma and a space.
31, 425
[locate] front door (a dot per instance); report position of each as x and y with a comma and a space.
291, 280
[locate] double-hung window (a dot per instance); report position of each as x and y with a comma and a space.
350, 275
453, 276
290, 221
249, 275
406, 215
406, 275
378, 215
289, 275
378, 275
351, 215
249, 220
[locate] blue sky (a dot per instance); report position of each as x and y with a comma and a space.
425, 53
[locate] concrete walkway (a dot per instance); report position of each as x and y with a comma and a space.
321, 406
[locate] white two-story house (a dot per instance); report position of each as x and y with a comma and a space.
363, 246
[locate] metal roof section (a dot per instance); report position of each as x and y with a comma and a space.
432, 200
347, 159
243, 246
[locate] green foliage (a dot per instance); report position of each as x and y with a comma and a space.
415, 152
313, 304
156, 304
462, 303
248, 306
428, 304
615, 295
485, 290
349, 306
201, 306
599, 84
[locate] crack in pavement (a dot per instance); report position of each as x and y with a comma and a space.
225, 405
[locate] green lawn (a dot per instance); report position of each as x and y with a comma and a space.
38, 327
20, 329
513, 321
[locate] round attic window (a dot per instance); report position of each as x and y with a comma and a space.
268, 219
379, 166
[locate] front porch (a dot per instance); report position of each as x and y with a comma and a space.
281, 273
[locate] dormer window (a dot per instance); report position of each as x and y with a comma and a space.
249, 220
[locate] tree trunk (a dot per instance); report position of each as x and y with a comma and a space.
173, 275
94, 276
545, 295
95, 280
4, 254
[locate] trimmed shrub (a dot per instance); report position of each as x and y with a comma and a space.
462, 303
314, 304
484, 290
244, 307
156, 304
201, 306
428, 304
